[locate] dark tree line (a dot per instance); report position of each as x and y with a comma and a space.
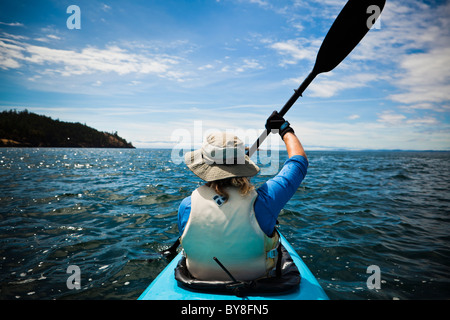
27, 129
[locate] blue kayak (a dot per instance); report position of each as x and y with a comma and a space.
166, 287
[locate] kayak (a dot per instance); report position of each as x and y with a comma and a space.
166, 287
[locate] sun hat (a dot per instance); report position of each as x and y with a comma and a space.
221, 156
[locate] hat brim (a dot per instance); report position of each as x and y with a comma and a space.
213, 172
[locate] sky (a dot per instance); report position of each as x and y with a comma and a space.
164, 73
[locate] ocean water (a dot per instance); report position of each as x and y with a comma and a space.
109, 211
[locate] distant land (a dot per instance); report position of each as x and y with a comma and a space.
27, 129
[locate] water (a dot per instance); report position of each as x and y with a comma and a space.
109, 212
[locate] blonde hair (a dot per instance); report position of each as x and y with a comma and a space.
243, 183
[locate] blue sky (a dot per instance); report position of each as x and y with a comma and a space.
149, 69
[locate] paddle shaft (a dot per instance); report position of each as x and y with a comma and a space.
297, 93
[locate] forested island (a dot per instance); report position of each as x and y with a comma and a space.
27, 129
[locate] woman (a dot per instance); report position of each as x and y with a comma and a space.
227, 218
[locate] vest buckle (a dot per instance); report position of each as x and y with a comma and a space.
272, 254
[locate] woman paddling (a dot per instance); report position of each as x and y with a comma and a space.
227, 217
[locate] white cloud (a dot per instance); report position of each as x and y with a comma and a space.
134, 83
105, 7
52, 36
412, 135
298, 26
391, 118
261, 3
48, 38
323, 87
425, 77
206, 67
295, 50
8, 63
236, 67
13, 36
12, 24
10, 54
89, 60
249, 64
436, 107
427, 121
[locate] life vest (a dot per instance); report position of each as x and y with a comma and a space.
226, 229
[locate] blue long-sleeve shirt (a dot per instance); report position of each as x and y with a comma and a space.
272, 195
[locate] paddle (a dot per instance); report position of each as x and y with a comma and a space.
347, 31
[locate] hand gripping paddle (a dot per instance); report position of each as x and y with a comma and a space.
351, 25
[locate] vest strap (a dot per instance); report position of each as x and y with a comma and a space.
272, 254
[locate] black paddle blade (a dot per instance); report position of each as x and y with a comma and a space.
351, 25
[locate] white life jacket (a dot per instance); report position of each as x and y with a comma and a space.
229, 231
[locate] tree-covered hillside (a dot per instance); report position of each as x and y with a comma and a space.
26, 129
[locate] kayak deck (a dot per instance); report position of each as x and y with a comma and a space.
165, 287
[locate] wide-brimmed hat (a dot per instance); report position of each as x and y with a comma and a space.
221, 156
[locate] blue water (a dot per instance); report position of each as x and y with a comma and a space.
109, 211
